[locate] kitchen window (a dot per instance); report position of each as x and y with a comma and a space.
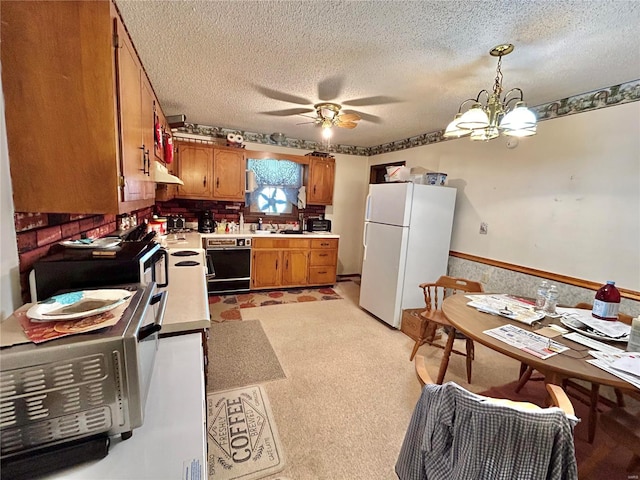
277, 186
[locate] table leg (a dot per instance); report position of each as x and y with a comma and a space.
445, 357
593, 411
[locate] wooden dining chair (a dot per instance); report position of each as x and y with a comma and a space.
454, 433
558, 397
434, 294
589, 396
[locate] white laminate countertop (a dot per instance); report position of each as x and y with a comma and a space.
173, 434
188, 301
270, 233
193, 240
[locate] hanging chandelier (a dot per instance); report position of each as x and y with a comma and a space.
497, 116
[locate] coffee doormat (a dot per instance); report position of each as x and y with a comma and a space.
242, 438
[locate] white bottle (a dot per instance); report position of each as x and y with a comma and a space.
634, 336
241, 222
551, 301
541, 295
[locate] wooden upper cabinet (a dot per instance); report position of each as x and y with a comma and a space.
321, 177
61, 109
229, 167
194, 169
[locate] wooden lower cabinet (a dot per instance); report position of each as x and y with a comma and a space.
279, 262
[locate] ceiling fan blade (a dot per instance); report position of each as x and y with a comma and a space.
305, 123
365, 116
330, 88
284, 97
346, 124
349, 117
288, 112
369, 101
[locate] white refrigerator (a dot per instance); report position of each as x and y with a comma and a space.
406, 239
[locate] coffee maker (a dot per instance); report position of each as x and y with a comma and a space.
205, 222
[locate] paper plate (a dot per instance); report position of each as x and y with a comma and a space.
580, 327
73, 305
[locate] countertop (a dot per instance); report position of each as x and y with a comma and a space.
193, 240
173, 434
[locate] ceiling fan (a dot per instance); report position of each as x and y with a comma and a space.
327, 114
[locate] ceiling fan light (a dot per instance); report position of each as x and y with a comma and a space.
453, 131
326, 132
519, 118
474, 118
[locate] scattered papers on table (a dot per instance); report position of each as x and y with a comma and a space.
624, 365
605, 327
506, 306
537, 345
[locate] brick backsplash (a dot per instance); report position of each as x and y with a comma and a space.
229, 211
36, 233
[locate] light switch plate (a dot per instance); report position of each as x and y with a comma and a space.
483, 228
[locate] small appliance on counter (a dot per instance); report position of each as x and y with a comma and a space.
139, 261
176, 223
64, 398
205, 222
318, 225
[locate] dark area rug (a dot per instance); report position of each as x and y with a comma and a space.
613, 467
240, 354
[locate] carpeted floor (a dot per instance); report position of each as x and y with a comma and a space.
228, 307
350, 389
239, 355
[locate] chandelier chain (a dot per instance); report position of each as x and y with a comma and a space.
497, 86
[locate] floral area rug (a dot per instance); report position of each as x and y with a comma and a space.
228, 307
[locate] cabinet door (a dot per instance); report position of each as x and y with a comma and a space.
228, 175
321, 178
266, 267
194, 167
129, 89
147, 122
295, 263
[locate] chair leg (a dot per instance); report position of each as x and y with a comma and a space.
470, 354
444, 363
593, 411
421, 339
619, 397
524, 377
415, 349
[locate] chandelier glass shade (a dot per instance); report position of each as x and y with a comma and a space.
508, 115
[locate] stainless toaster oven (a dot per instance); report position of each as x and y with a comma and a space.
80, 386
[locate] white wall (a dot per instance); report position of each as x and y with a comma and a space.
565, 201
9, 275
347, 212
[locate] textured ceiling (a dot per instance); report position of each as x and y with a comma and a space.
404, 66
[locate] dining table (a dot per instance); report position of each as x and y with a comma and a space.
570, 364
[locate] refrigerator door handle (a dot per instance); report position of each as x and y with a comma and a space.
364, 240
367, 208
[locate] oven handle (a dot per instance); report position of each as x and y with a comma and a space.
154, 327
219, 249
165, 254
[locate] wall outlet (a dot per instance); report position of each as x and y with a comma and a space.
483, 228
485, 277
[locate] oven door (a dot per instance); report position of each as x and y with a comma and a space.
229, 269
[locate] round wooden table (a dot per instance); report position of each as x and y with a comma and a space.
569, 364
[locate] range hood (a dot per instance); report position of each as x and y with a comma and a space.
162, 175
